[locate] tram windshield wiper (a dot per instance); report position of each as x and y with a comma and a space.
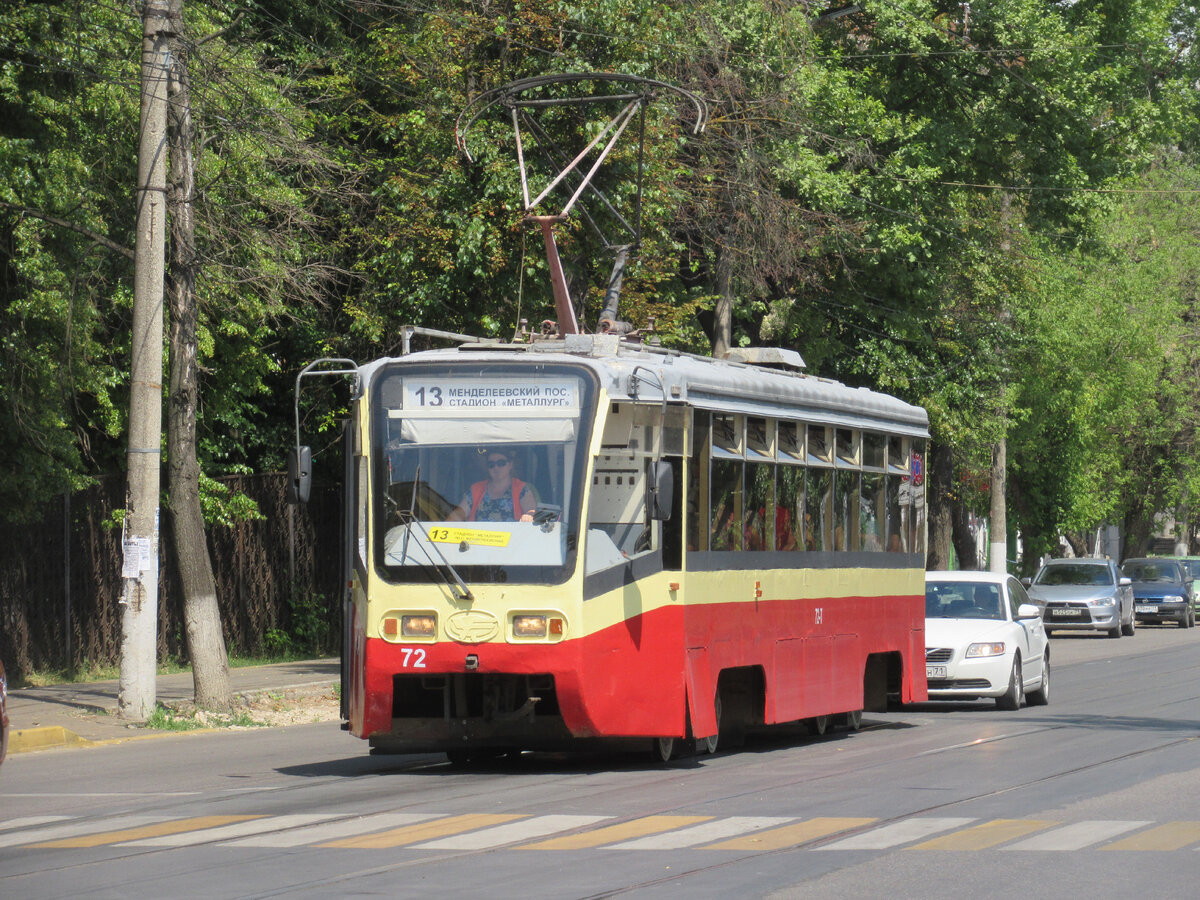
408, 518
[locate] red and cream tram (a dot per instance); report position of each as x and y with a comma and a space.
585, 538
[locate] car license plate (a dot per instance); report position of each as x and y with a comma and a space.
935, 672
1145, 607
1064, 613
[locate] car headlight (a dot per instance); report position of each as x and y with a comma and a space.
1102, 601
976, 650
1172, 598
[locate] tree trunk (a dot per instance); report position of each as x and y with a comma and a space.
939, 480
961, 535
201, 613
723, 312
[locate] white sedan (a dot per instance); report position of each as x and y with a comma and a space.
984, 637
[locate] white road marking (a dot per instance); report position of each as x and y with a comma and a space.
331, 831
897, 833
703, 833
226, 832
498, 835
1076, 836
31, 821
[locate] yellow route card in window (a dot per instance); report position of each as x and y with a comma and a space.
470, 535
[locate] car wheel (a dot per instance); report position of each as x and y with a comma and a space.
1041, 696
1011, 699
1129, 629
1115, 631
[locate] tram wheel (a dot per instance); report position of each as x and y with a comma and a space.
709, 744
851, 720
662, 749
818, 725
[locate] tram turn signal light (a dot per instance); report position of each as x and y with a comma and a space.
418, 626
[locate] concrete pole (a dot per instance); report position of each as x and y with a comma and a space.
998, 516
139, 572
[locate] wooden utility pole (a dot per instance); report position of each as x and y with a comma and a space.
139, 601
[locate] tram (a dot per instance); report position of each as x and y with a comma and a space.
554, 543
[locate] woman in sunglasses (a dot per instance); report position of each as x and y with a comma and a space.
502, 498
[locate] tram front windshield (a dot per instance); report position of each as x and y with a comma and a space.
480, 470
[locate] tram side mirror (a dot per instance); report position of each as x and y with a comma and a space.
662, 490
299, 474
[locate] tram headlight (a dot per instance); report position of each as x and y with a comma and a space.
529, 626
418, 626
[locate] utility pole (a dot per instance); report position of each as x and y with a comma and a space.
998, 518
139, 571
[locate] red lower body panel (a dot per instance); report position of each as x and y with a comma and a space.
645, 676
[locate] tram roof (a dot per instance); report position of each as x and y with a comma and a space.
634, 372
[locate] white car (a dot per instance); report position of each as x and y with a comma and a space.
984, 638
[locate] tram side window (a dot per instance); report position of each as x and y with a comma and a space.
870, 516
727, 505
617, 523
789, 514
760, 506
698, 483
845, 529
918, 496
897, 500
818, 510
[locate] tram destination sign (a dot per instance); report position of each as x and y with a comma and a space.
492, 396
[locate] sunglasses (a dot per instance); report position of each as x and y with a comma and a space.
497, 463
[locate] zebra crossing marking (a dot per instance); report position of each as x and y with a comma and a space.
1168, 836
330, 831
1077, 836
897, 833
987, 834
414, 834
789, 835
613, 833
145, 831
17, 839
499, 835
704, 833
238, 829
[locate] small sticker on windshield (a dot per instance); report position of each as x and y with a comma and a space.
470, 535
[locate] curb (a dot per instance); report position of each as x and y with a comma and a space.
26, 740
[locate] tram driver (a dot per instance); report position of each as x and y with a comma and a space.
499, 498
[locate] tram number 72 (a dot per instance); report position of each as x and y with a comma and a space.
412, 658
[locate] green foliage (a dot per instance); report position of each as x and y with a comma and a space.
947, 210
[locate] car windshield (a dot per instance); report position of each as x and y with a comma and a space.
1151, 571
963, 600
1080, 573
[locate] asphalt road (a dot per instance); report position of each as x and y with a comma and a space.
1097, 794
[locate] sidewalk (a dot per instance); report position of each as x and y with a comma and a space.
78, 714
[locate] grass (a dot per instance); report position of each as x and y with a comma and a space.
165, 718
47, 677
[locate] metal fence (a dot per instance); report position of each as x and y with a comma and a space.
278, 579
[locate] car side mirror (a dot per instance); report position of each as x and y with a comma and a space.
299, 474
662, 490
1124, 581
1028, 611
1027, 581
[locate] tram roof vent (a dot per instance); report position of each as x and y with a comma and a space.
766, 356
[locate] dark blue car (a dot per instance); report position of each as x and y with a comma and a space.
1162, 591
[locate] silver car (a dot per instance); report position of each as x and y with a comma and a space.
1084, 595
